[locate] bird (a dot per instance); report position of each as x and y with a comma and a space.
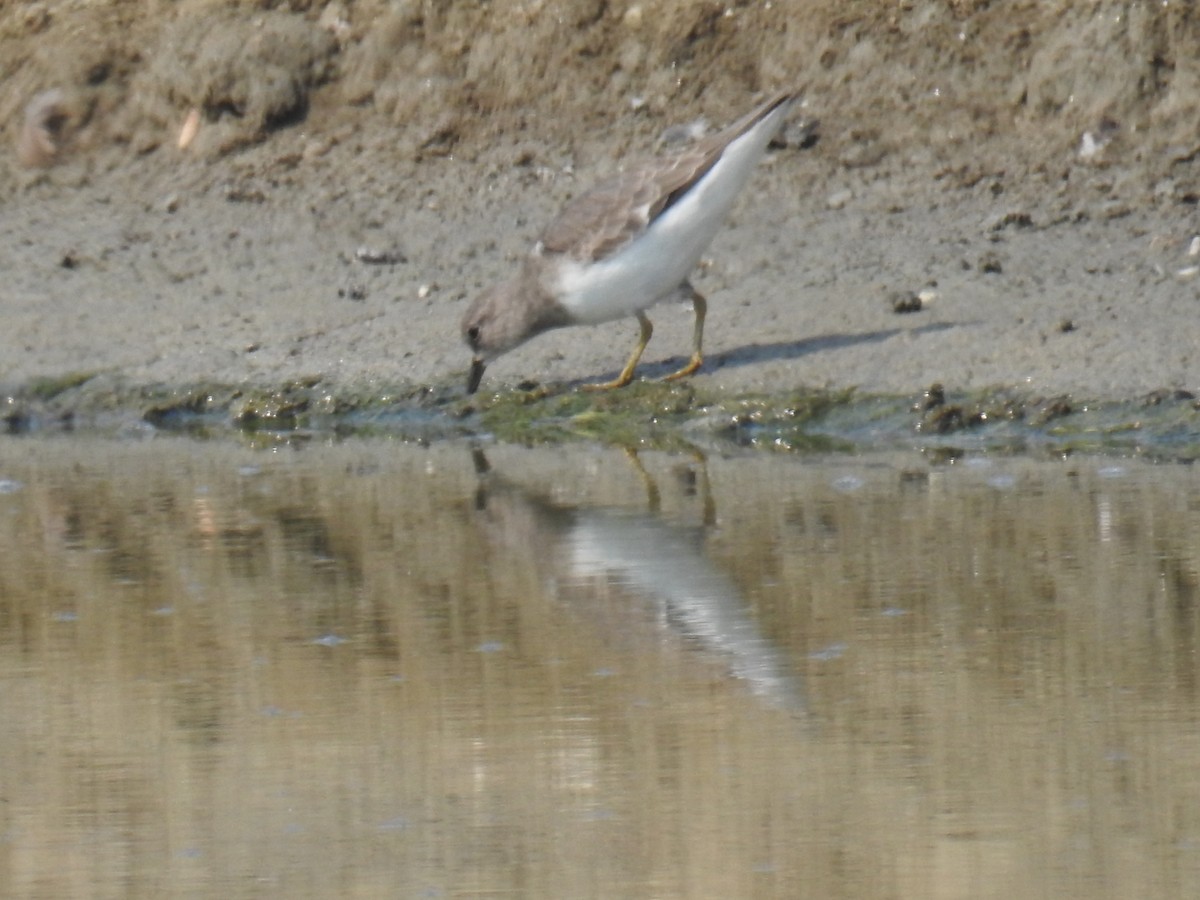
625, 245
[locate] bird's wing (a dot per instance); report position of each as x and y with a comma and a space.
601, 221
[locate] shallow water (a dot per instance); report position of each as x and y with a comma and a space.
374, 669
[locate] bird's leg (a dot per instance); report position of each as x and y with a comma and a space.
653, 497
700, 306
626, 375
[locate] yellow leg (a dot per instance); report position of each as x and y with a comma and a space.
626, 375
653, 497
700, 305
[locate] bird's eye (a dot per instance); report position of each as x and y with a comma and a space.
473, 335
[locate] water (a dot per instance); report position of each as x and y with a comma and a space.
372, 669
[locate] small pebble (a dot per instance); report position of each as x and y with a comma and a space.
990, 264
375, 257
839, 199
1088, 147
801, 134
39, 141
933, 397
189, 129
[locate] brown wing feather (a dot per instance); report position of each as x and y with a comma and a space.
605, 218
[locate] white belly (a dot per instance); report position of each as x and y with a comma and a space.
661, 258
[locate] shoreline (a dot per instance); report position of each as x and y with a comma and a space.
942, 424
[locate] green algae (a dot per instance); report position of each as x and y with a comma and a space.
644, 412
660, 415
48, 387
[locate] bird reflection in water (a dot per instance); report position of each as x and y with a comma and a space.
641, 555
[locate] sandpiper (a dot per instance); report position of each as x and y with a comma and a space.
625, 245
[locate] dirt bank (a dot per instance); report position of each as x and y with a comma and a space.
357, 171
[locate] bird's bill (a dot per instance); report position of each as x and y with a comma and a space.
475, 375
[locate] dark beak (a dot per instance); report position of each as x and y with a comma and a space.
475, 375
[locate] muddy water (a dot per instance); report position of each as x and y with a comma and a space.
377, 670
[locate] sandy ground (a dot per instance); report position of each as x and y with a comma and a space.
361, 171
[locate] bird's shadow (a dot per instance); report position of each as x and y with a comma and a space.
751, 354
